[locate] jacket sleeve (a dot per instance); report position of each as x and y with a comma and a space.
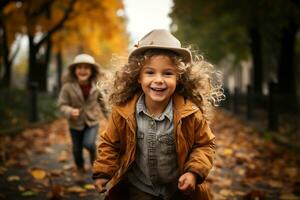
64, 102
107, 161
200, 159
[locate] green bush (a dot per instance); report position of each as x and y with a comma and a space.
15, 108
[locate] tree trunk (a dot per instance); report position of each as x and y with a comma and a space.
256, 51
33, 68
6, 79
32, 63
43, 67
286, 71
59, 69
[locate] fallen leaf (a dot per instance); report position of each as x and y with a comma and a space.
21, 188
57, 192
56, 172
76, 189
291, 172
68, 167
275, 184
239, 193
13, 178
225, 192
227, 152
38, 174
63, 157
289, 196
89, 186
29, 193
2, 170
49, 150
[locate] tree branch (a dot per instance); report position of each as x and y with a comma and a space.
58, 25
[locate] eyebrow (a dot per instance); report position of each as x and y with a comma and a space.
168, 68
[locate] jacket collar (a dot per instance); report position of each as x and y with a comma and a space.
182, 107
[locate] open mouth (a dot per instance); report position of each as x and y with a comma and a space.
158, 89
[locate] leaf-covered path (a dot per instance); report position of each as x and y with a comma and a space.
38, 164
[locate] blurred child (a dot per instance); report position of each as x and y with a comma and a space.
80, 102
158, 144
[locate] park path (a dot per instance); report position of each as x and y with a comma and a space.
38, 165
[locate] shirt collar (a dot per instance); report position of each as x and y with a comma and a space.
141, 108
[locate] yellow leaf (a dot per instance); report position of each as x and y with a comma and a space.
29, 193
38, 174
13, 178
89, 186
225, 192
76, 189
227, 152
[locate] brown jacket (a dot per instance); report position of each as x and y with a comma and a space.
194, 144
71, 96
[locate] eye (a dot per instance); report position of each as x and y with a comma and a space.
169, 73
148, 71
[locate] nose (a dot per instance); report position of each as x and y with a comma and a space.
158, 78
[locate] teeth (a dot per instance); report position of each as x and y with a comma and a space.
158, 89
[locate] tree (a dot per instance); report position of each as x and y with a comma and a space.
98, 25
37, 71
6, 56
67, 27
263, 29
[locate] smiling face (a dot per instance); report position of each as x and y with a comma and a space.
158, 80
83, 72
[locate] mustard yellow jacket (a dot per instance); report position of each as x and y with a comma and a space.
194, 144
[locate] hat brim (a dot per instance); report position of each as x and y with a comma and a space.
183, 52
96, 66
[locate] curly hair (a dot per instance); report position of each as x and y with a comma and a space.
197, 81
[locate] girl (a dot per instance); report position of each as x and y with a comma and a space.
79, 102
158, 144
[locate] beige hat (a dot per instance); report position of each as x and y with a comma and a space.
84, 58
161, 39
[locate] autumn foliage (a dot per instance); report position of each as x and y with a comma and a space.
67, 27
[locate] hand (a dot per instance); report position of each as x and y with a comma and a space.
75, 113
187, 183
100, 184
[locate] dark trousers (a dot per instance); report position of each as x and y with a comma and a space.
85, 138
126, 191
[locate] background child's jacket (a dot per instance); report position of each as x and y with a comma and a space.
71, 97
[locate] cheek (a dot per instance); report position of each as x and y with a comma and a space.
77, 73
174, 82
